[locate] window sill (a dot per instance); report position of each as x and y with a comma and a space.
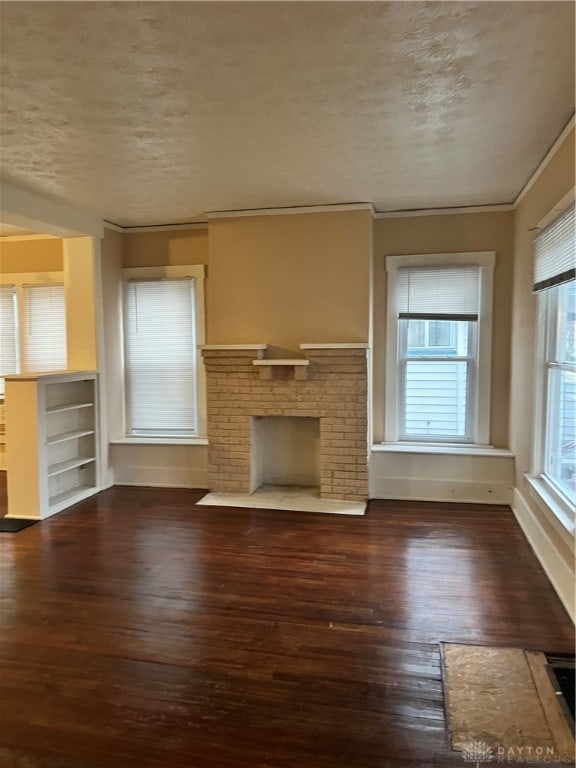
447, 449
544, 493
150, 440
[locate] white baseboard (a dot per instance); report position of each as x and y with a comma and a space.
558, 565
423, 489
161, 477
466, 478
107, 478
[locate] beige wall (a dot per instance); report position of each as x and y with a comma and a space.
556, 180
288, 279
170, 247
31, 255
80, 264
181, 466
451, 234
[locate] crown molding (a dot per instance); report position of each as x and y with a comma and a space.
444, 211
544, 162
155, 227
336, 208
112, 226
364, 206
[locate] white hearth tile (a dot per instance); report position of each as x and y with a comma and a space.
288, 498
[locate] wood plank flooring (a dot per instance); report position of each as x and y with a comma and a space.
140, 630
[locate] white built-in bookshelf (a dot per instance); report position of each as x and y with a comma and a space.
51, 428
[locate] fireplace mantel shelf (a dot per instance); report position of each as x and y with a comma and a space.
233, 347
267, 367
296, 361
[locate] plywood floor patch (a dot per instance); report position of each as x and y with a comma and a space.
493, 705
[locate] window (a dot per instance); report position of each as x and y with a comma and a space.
438, 366
9, 353
32, 326
44, 328
162, 326
554, 281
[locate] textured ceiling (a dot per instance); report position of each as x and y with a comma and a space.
148, 113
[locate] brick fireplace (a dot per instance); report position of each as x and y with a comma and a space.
329, 384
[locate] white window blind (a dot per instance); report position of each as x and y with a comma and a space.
554, 252
160, 339
44, 328
438, 293
8, 333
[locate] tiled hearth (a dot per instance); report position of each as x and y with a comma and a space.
291, 499
330, 383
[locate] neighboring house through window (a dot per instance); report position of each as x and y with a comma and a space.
163, 326
439, 346
555, 424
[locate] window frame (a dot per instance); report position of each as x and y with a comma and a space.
197, 273
404, 359
547, 491
478, 416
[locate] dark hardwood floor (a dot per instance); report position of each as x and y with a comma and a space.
140, 630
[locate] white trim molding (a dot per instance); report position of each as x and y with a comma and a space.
553, 546
193, 225
542, 489
442, 449
497, 208
561, 514
198, 272
485, 260
137, 440
112, 226
336, 208
462, 477
488, 208
183, 467
32, 212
